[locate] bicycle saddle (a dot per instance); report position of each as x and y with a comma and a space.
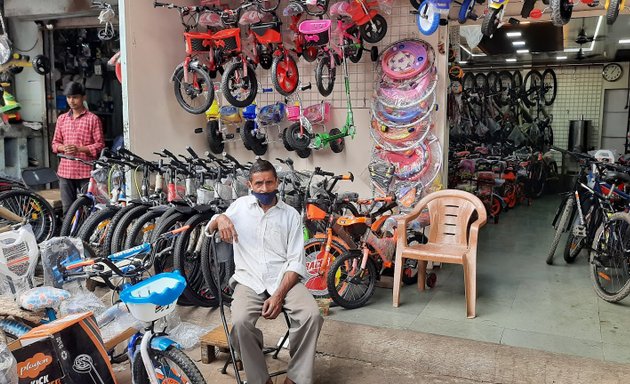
42, 297
614, 177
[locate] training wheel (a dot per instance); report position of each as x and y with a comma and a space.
431, 279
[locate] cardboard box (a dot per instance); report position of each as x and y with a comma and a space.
65, 351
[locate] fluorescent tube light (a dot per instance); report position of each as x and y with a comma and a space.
518, 43
513, 34
522, 51
561, 57
624, 41
510, 60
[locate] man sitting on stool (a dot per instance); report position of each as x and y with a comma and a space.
269, 258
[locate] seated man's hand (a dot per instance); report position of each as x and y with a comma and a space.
272, 307
226, 229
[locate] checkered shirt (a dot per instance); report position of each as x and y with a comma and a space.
86, 130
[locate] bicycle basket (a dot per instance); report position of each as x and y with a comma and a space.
316, 209
318, 113
316, 32
228, 39
154, 297
197, 42
293, 113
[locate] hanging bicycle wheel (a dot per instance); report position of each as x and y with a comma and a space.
465, 10
325, 76
196, 93
468, 83
491, 22
428, 19
284, 74
239, 88
532, 87
374, 30
504, 84
481, 83
550, 86
561, 11
612, 11
518, 81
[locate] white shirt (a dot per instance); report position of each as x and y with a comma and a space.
269, 243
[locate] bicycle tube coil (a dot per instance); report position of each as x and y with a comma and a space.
403, 117
406, 59
406, 95
397, 139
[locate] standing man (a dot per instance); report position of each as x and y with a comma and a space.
79, 133
269, 258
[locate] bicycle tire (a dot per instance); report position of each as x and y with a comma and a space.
94, 230
146, 223
464, 11
553, 81
214, 136
187, 259
468, 82
316, 284
561, 11
611, 259
481, 83
250, 85
374, 30
202, 78
518, 81
534, 77
251, 142
124, 225
180, 363
354, 54
339, 144
575, 244
167, 222
505, 82
491, 22
428, 18
562, 223
325, 88
34, 209
285, 75
84, 206
612, 12
114, 223
338, 280
226, 270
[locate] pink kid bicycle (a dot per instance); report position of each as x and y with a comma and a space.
346, 42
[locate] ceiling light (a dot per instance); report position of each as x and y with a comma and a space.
525, 22
624, 41
518, 43
522, 51
513, 34
510, 60
472, 54
561, 57
463, 62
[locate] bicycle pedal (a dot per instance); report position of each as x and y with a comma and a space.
229, 136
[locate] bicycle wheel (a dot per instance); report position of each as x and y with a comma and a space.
226, 270
325, 75
173, 365
168, 222
491, 22
196, 94
518, 81
532, 87
78, 212
250, 140
537, 179
428, 19
142, 230
284, 74
481, 83
468, 82
348, 284
34, 209
550, 86
187, 259
565, 216
465, 10
214, 136
610, 264
561, 11
124, 225
505, 83
576, 243
94, 231
114, 224
238, 89
612, 12
314, 252
374, 30
491, 78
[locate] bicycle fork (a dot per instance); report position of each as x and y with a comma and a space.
579, 230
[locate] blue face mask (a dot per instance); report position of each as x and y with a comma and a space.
265, 198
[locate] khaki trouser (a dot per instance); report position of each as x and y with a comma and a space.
306, 322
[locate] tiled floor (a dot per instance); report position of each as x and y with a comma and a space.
521, 300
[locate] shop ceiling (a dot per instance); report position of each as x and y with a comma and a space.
540, 42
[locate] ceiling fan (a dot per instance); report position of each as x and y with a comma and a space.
581, 39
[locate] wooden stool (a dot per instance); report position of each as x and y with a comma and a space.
211, 340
